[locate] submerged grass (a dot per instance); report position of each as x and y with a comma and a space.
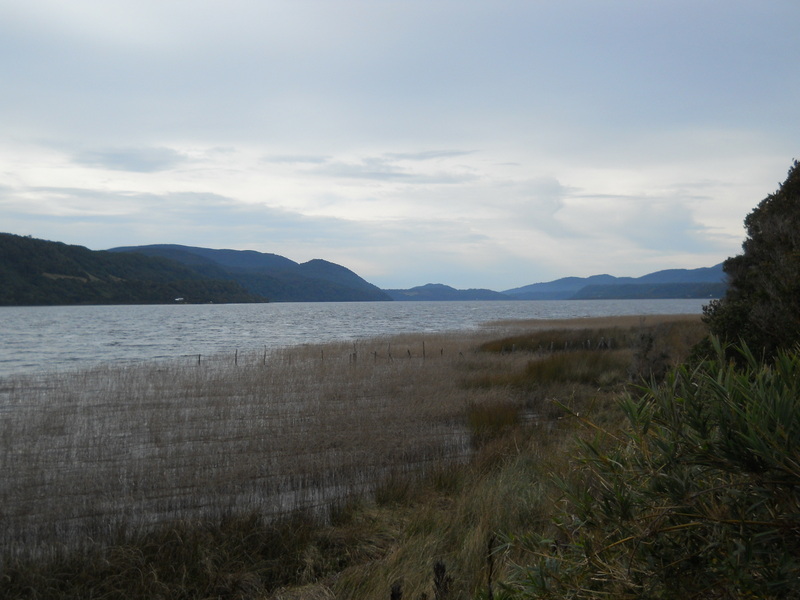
328, 471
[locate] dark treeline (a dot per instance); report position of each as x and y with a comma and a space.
39, 272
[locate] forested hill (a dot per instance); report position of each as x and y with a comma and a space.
271, 275
39, 272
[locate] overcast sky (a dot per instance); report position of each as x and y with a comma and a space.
473, 143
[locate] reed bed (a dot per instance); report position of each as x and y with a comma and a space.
413, 449
87, 456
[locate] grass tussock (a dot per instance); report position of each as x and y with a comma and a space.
588, 367
328, 471
698, 499
492, 420
601, 356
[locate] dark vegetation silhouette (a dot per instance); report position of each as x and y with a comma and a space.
762, 305
40, 272
698, 494
270, 275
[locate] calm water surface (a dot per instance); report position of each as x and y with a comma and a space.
50, 338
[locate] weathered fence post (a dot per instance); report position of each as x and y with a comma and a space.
490, 559
441, 581
397, 591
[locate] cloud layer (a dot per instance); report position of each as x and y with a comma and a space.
470, 143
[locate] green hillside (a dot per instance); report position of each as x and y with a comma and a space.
39, 272
270, 275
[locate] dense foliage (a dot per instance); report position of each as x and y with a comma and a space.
701, 499
39, 272
270, 275
699, 495
762, 304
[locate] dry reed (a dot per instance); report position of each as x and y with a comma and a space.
92, 454
100, 456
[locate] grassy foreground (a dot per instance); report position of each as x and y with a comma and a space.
385, 468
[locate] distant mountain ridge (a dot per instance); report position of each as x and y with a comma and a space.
641, 291
441, 292
42, 272
705, 282
270, 275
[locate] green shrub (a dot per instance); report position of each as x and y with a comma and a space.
699, 499
583, 366
762, 303
491, 420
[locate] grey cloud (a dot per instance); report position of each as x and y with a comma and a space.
369, 168
536, 203
390, 166
297, 159
384, 169
196, 217
668, 230
550, 191
139, 160
658, 224
427, 155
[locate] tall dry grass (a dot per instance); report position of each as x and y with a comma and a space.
511, 483
88, 455
415, 449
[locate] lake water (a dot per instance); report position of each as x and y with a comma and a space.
51, 338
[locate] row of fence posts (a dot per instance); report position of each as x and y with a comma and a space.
603, 344
353, 355
390, 358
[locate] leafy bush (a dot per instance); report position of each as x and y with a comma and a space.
762, 303
699, 499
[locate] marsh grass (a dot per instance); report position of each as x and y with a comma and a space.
612, 351
491, 420
382, 456
90, 454
589, 367
698, 498
563, 340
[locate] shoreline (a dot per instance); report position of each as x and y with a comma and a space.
55, 339
487, 328
594, 322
